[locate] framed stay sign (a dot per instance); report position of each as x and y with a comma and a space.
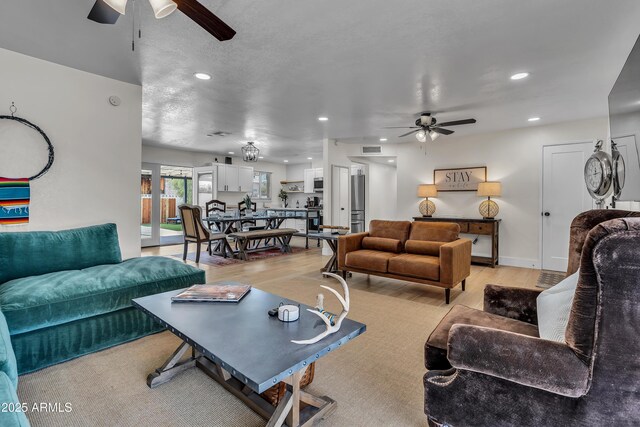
459, 179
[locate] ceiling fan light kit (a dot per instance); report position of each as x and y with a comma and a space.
163, 8
421, 136
119, 6
428, 126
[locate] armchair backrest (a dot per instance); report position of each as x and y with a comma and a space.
605, 315
580, 227
192, 225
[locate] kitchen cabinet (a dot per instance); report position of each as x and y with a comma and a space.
235, 178
309, 176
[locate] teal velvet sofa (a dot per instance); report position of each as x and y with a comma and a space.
68, 293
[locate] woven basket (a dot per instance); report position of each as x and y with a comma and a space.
275, 394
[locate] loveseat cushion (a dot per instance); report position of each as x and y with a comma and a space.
9, 417
435, 349
434, 231
369, 260
382, 244
8, 363
33, 253
423, 247
398, 230
419, 266
51, 299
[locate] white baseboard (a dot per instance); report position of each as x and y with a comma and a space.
520, 262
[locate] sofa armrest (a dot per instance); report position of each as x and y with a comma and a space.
455, 261
514, 303
348, 243
529, 361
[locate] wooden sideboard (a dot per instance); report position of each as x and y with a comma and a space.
484, 227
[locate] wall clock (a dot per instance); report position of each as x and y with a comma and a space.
598, 173
618, 170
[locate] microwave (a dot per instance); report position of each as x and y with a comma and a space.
317, 185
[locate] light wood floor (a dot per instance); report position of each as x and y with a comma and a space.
299, 264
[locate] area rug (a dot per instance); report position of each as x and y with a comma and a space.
219, 261
376, 379
548, 278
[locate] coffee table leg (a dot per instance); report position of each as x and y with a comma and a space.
172, 367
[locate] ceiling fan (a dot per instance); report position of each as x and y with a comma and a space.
427, 126
108, 12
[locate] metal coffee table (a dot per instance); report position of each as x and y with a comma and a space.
247, 351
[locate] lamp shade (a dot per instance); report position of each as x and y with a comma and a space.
421, 136
162, 8
489, 189
118, 5
427, 190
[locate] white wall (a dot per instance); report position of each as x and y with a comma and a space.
96, 174
513, 157
173, 157
382, 182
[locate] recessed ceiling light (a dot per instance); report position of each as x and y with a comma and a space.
231, 152
203, 76
323, 119
383, 139
309, 158
534, 119
286, 161
519, 76
261, 157
390, 160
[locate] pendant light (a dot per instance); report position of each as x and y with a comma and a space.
119, 6
434, 135
162, 8
250, 152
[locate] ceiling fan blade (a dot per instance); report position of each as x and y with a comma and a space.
408, 133
458, 122
401, 127
207, 20
102, 13
442, 131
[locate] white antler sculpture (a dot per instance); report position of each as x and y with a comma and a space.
328, 318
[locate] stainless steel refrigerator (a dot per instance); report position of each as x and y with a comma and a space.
357, 203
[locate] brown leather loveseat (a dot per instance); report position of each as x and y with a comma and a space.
421, 252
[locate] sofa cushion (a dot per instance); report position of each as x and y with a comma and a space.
366, 259
420, 266
51, 299
434, 231
554, 307
10, 418
32, 253
436, 346
382, 244
398, 230
8, 363
423, 247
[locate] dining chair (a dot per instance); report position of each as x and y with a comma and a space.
196, 232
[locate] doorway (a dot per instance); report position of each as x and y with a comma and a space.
564, 195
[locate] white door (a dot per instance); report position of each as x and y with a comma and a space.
222, 177
309, 175
564, 195
150, 205
340, 182
245, 178
204, 189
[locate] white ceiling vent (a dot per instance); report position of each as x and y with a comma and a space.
371, 149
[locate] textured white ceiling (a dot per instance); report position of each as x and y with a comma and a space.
365, 64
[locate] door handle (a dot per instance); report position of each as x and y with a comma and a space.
546, 214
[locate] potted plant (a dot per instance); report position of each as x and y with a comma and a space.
283, 196
248, 204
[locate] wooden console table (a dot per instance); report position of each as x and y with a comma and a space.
485, 227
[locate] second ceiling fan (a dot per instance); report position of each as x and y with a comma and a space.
108, 12
428, 127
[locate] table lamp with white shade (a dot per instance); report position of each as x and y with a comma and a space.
488, 208
427, 207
